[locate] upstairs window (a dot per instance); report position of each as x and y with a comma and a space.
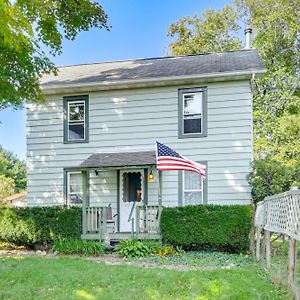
76, 119
192, 113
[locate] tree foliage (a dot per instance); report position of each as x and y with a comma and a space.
25, 28
276, 28
214, 31
13, 168
7, 187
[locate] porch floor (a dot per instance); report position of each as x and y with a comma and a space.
119, 236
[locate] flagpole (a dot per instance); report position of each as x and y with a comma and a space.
159, 189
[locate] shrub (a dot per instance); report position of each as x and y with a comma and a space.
271, 177
75, 246
39, 225
207, 227
133, 248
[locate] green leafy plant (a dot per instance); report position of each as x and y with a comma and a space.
81, 247
211, 227
39, 225
165, 250
133, 248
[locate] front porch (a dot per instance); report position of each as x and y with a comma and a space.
145, 224
116, 201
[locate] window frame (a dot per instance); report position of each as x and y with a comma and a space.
181, 93
71, 100
67, 174
181, 189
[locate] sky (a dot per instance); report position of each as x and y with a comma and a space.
138, 30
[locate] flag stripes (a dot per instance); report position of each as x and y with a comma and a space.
168, 159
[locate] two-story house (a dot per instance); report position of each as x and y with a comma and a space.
93, 143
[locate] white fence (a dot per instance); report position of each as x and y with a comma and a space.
279, 214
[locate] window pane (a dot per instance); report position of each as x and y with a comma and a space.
193, 198
76, 131
132, 187
192, 125
192, 104
76, 112
75, 183
192, 181
75, 199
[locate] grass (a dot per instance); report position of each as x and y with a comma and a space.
79, 278
279, 262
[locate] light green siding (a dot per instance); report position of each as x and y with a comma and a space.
137, 118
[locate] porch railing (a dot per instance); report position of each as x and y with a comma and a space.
148, 218
94, 217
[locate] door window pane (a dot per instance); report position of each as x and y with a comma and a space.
132, 187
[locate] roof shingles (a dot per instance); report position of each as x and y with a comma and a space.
155, 68
123, 159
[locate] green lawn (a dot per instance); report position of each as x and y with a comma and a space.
79, 278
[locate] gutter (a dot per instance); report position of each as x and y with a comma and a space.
150, 82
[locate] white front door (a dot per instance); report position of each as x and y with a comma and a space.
131, 194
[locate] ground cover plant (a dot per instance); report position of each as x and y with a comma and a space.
79, 278
136, 248
79, 247
200, 258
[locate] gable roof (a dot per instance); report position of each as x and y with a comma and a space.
121, 159
241, 62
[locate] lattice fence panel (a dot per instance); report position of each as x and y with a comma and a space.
280, 213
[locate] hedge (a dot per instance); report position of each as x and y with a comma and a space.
39, 225
207, 227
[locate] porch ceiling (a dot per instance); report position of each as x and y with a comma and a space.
121, 159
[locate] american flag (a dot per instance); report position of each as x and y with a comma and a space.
168, 159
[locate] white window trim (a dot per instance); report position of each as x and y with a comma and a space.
188, 116
181, 115
121, 186
192, 190
77, 121
68, 188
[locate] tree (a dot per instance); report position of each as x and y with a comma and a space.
276, 27
13, 168
214, 31
7, 187
25, 28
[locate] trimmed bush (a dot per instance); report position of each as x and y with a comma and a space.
39, 225
207, 227
75, 246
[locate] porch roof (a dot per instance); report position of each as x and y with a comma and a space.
121, 159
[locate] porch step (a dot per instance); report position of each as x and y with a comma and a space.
119, 236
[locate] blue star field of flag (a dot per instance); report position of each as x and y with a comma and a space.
163, 150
